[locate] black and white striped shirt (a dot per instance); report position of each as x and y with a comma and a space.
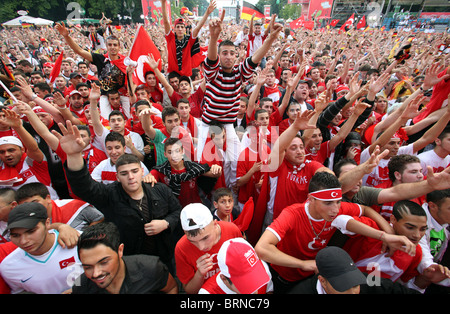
223, 90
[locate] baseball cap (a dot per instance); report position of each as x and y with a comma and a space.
336, 266
238, 261
10, 140
74, 92
74, 74
195, 216
26, 215
179, 21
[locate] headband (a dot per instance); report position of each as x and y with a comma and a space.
334, 194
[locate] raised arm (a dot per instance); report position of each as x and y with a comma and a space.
61, 28
211, 7
12, 119
267, 44
38, 125
301, 123
166, 21
215, 28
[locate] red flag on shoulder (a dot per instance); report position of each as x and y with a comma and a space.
141, 48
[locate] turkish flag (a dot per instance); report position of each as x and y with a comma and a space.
56, 68
67, 262
199, 57
349, 22
361, 23
333, 23
141, 48
300, 22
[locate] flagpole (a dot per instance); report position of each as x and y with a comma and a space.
8, 91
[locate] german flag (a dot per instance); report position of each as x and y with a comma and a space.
247, 11
25, 24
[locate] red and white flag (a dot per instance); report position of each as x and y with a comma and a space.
348, 23
300, 22
56, 68
333, 23
361, 23
199, 57
141, 48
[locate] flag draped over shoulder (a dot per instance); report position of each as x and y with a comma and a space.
247, 11
141, 48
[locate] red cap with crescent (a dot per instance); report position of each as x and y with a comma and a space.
327, 194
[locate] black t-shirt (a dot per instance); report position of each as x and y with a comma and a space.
145, 274
110, 76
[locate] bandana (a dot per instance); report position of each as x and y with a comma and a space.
327, 194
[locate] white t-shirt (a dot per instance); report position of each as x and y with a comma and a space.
430, 158
51, 273
105, 172
381, 172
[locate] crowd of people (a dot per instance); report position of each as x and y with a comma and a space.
285, 162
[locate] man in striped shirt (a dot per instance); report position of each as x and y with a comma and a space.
224, 80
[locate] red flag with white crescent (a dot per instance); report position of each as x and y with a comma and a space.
141, 48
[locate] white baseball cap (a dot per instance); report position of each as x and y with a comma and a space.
195, 216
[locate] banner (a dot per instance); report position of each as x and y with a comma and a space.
247, 11
319, 9
267, 10
152, 9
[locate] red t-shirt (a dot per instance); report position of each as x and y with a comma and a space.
172, 55
296, 237
321, 155
289, 186
186, 254
247, 159
195, 101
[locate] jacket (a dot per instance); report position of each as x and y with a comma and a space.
119, 208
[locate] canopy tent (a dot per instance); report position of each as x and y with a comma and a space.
17, 22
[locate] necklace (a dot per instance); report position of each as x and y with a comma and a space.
317, 235
139, 203
314, 231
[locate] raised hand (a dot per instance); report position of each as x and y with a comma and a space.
302, 120
71, 141
150, 60
431, 76
62, 29
95, 92
215, 25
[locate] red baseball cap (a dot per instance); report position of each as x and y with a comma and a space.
179, 21
238, 261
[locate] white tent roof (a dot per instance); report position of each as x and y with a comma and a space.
28, 19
